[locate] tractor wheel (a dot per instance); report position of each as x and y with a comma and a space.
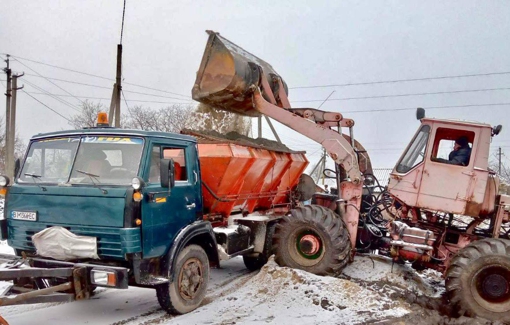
312, 239
478, 280
187, 290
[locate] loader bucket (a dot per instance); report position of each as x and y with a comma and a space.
226, 74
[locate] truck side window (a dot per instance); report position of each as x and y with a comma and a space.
416, 151
179, 157
154, 173
452, 146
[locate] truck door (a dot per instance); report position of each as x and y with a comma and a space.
165, 212
446, 186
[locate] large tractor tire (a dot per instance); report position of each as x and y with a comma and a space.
187, 290
478, 280
313, 239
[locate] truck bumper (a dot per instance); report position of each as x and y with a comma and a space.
37, 280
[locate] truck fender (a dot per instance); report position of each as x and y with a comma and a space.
198, 233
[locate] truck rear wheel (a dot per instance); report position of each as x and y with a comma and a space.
312, 239
478, 280
187, 290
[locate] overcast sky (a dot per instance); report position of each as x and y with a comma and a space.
309, 43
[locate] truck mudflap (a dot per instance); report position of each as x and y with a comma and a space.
38, 280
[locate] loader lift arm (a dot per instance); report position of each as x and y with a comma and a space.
234, 80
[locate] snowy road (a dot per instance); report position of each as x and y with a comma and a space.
371, 291
131, 306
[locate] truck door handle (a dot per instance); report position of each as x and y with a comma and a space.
191, 206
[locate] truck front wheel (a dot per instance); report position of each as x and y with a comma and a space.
478, 280
313, 239
187, 290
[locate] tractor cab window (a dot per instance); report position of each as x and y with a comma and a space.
415, 152
452, 146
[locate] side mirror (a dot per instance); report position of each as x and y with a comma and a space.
17, 166
496, 129
167, 173
420, 113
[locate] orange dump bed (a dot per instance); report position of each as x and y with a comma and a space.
239, 176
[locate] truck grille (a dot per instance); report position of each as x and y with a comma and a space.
108, 239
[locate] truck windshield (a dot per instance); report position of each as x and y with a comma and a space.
81, 160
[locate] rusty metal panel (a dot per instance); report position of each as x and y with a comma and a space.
11, 274
225, 75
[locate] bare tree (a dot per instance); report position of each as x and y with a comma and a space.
88, 116
169, 119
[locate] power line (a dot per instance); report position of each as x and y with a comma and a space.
106, 98
404, 80
66, 69
51, 95
68, 81
125, 101
100, 77
109, 88
155, 89
407, 95
51, 109
50, 81
430, 107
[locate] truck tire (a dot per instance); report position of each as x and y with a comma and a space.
478, 280
187, 290
312, 239
254, 263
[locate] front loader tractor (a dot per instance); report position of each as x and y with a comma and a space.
433, 214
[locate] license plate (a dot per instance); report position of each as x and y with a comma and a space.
24, 215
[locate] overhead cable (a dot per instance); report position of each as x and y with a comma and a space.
404, 80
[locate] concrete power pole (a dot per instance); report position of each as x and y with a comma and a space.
114, 116
7, 114
11, 140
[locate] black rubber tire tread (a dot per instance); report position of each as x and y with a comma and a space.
167, 294
462, 269
254, 263
329, 226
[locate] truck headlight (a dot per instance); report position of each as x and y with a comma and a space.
103, 278
137, 183
4, 181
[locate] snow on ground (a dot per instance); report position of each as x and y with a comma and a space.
282, 295
371, 290
5, 249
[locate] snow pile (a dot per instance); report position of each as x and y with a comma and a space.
282, 295
378, 272
5, 249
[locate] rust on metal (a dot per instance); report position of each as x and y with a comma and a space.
226, 75
13, 300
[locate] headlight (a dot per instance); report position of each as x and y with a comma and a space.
4, 181
137, 183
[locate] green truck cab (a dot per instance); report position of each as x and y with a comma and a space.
124, 206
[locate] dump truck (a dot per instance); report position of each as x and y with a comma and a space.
434, 213
106, 207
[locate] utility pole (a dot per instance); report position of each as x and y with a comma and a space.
114, 116
499, 161
12, 128
7, 114
119, 86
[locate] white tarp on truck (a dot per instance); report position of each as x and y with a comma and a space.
61, 244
